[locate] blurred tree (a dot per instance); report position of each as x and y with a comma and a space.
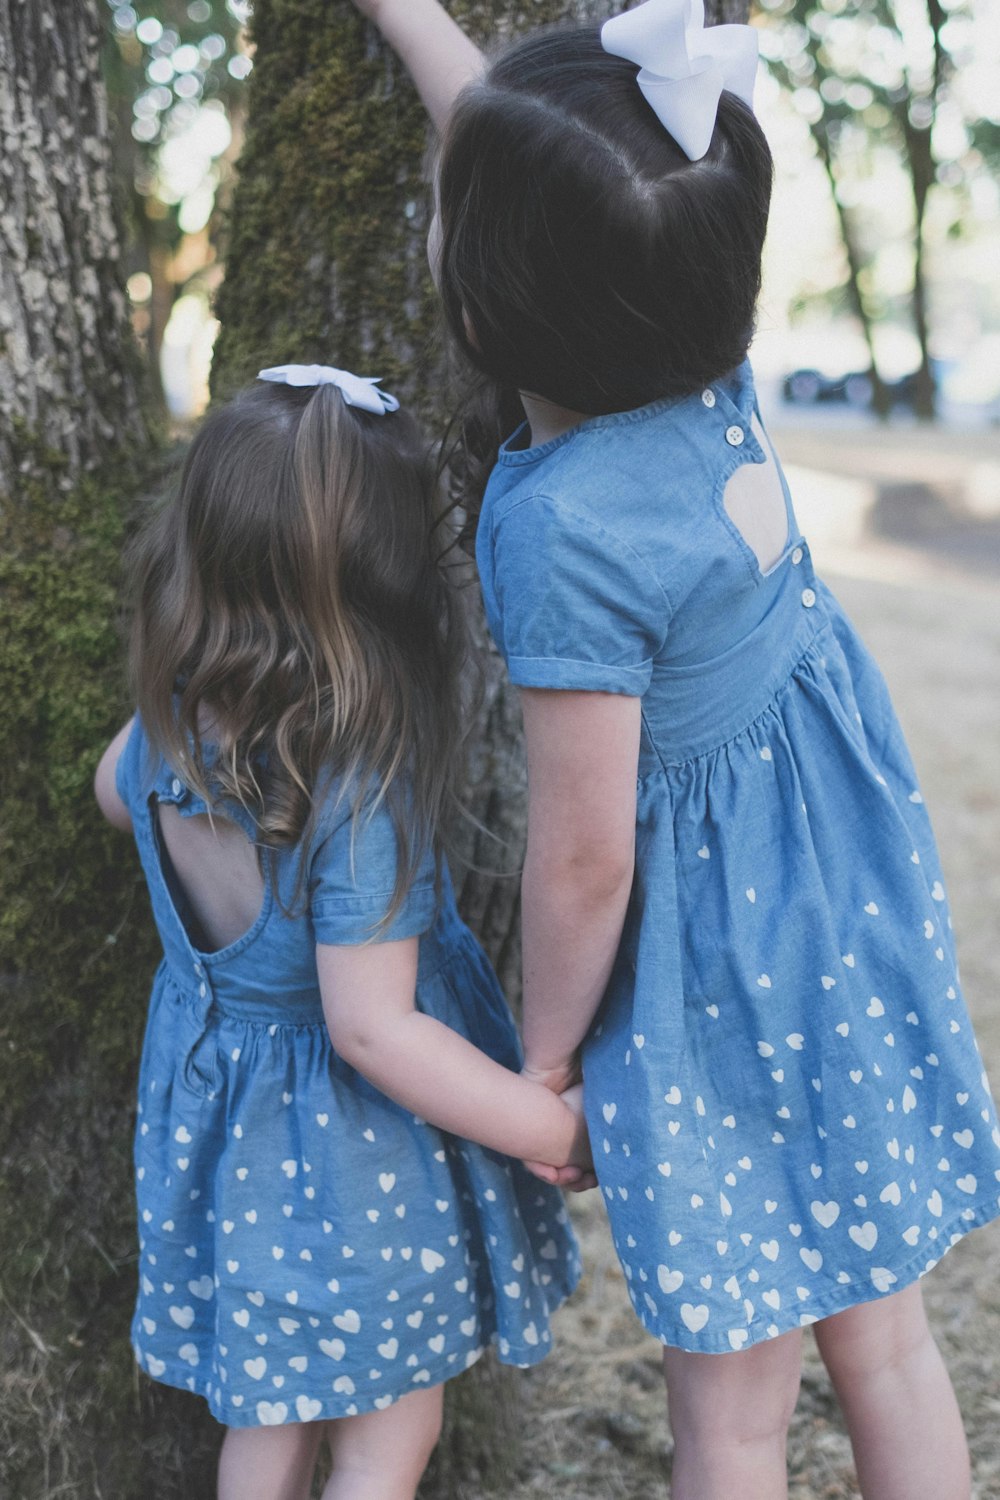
174, 71
867, 77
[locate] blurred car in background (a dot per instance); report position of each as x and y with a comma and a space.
808, 387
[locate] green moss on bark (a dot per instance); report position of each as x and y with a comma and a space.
64, 925
326, 253
77, 952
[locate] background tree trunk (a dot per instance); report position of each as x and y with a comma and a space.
66, 371
76, 950
881, 401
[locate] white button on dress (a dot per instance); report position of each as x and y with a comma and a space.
708, 396
734, 436
797, 556
808, 598
175, 787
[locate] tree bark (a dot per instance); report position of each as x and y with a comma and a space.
880, 395
67, 372
75, 953
923, 170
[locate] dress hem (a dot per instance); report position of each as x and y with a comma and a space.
839, 1299
179, 1376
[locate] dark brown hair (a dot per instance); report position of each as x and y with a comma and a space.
291, 611
595, 264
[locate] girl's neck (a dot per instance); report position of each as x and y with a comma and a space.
546, 420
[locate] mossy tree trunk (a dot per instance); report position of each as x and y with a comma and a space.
76, 951
326, 262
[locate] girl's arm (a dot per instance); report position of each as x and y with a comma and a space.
105, 791
368, 1000
438, 55
583, 755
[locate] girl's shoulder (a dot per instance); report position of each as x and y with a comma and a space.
143, 773
606, 470
138, 767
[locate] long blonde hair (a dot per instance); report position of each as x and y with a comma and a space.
292, 597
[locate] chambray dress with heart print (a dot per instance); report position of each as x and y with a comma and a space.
308, 1248
787, 1105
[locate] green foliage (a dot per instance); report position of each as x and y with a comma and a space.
170, 56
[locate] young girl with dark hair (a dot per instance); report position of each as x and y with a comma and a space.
320, 1247
733, 913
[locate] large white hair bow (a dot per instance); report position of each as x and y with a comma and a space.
357, 390
684, 66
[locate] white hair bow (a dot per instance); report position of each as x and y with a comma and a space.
357, 390
684, 66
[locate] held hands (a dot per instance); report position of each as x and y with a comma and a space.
576, 1174
559, 1078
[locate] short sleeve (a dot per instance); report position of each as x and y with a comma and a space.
573, 605
352, 879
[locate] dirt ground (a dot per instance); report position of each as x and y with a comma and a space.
906, 528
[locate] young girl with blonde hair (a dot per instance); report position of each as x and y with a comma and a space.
331, 1221
733, 910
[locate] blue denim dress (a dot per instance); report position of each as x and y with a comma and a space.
309, 1249
787, 1105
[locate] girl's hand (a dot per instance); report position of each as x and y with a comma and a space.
578, 1173
369, 1002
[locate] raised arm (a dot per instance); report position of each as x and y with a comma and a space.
368, 1000
439, 56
